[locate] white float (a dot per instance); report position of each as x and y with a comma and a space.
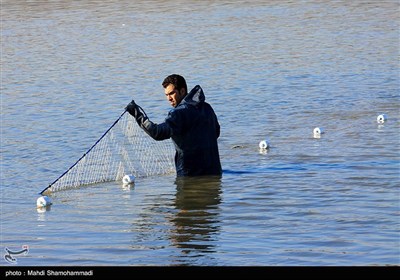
43, 201
381, 118
264, 144
128, 179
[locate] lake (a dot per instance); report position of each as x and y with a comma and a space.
271, 70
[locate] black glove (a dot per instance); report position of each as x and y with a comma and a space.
133, 109
155, 131
136, 111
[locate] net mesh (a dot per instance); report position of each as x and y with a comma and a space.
124, 149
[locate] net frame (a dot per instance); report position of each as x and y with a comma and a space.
123, 149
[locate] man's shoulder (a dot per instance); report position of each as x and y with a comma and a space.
179, 110
182, 107
187, 107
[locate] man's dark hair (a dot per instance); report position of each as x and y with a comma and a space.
178, 81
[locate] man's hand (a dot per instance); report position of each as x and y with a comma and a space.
133, 109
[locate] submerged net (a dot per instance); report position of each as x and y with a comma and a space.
123, 149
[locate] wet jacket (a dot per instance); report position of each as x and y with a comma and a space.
194, 129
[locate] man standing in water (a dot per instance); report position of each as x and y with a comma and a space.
192, 125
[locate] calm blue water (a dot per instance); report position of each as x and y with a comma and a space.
271, 69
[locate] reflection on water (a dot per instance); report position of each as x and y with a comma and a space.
197, 220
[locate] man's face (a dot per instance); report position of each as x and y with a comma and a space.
173, 95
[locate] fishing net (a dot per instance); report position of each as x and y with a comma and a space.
123, 149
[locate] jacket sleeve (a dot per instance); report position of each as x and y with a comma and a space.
156, 131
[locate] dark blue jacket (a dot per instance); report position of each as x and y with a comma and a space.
194, 130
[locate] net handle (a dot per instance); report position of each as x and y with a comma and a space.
72, 166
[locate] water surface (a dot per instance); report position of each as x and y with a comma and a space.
271, 69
